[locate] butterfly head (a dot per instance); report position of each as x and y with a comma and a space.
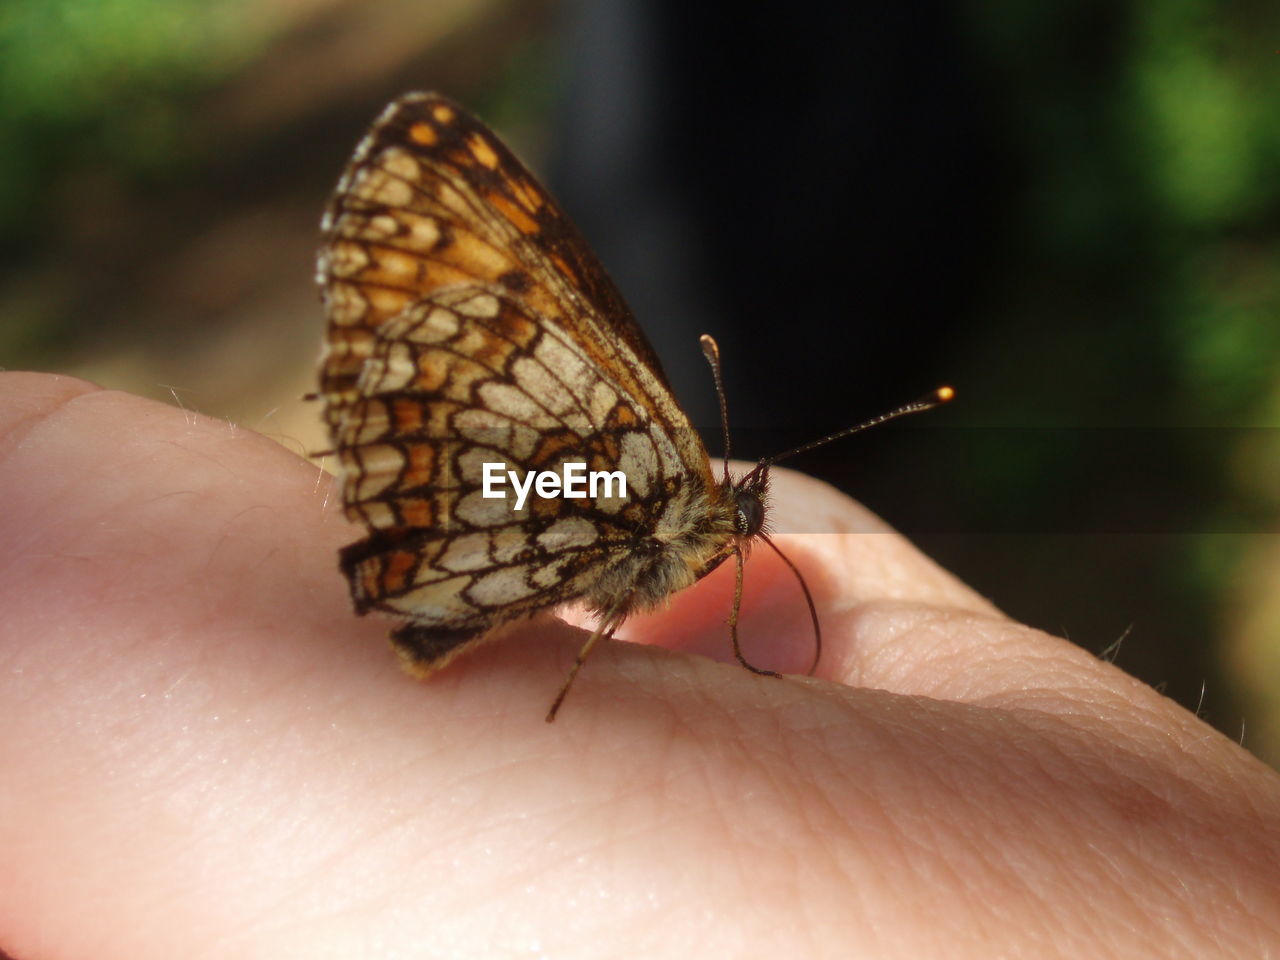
750, 493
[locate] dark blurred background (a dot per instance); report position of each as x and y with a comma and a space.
1067, 209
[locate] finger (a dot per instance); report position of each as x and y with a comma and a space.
890, 617
848, 558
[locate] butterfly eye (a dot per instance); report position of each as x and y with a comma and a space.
748, 516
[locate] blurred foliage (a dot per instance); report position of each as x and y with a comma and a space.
1202, 92
1162, 154
101, 81
1141, 288
1153, 195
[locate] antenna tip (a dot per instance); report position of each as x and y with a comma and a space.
710, 348
944, 394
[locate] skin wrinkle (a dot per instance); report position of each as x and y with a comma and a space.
819, 810
1115, 899
797, 871
721, 800
952, 792
908, 641
1150, 854
961, 782
986, 882
849, 861
1117, 889
932, 872
1084, 732
938, 658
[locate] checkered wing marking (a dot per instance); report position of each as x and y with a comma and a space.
467, 378
469, 323
432, 199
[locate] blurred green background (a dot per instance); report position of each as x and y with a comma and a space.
1081, 225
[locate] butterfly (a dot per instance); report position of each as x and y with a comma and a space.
472, 333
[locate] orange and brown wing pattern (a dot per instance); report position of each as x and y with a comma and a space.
432, 199
466, 379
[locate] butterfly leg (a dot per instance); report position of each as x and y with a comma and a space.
604, 629
733, 618
808, 599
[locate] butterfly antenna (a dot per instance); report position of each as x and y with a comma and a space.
711, 350
935, 399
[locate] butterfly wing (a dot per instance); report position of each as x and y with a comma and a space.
470, 324
432, 199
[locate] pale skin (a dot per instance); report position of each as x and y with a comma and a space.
204, 753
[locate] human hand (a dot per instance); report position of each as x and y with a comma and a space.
205, 753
